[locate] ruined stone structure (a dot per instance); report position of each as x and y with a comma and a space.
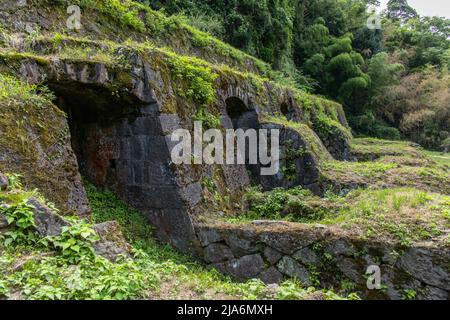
124, 144
120, 122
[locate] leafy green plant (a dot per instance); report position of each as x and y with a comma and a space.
21, 217
75, 241
12, 88
409, 294
3, 288
209, 120
14, 181
198, 78
107, 207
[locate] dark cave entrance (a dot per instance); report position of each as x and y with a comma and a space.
94, 117
287, 110
245, 118
119, 145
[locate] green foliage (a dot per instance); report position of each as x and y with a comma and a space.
12, 89
108, 207
209, 120
74, 273
91, 278
273, 204
197, 77
425, 40
3, 288
14, 181
339, 70
382, 73
418, 106
73, 270
75, 241
409, 294
21, 217
400, 10
368, 124
403, 215
327, 42
279, 32
211, 23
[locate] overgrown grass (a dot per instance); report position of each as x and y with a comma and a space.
404, 215
372, 148
314, 143
142, 19
13, 89
367, 169
387, 164
186, 275
64, 267
440, 157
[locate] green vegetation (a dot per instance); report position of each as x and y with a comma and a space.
396, 194
13, 90
363, 169
199, 77
314, 143
66, 267
24, 112
440, 157
107, 207
393, 82
140, 19
404, 215
384, 164
372, 148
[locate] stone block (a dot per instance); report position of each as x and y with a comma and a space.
244, 268
47, 222
208, 236
272, 255
217, 252
271, 275
306, 256
292, 268
3, 182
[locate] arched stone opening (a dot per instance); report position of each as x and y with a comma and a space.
119, 144
245, 118
241, 116
287, 110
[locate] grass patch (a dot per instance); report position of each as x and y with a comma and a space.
363, 169
403, 215
15, 90
32, 268
439, 157
107, 207
366, 149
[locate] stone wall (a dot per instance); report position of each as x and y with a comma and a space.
35, 143
319, 256
123, 143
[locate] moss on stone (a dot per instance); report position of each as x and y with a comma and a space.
315, 145
34, 139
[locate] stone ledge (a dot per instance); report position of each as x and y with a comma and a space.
275, 250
